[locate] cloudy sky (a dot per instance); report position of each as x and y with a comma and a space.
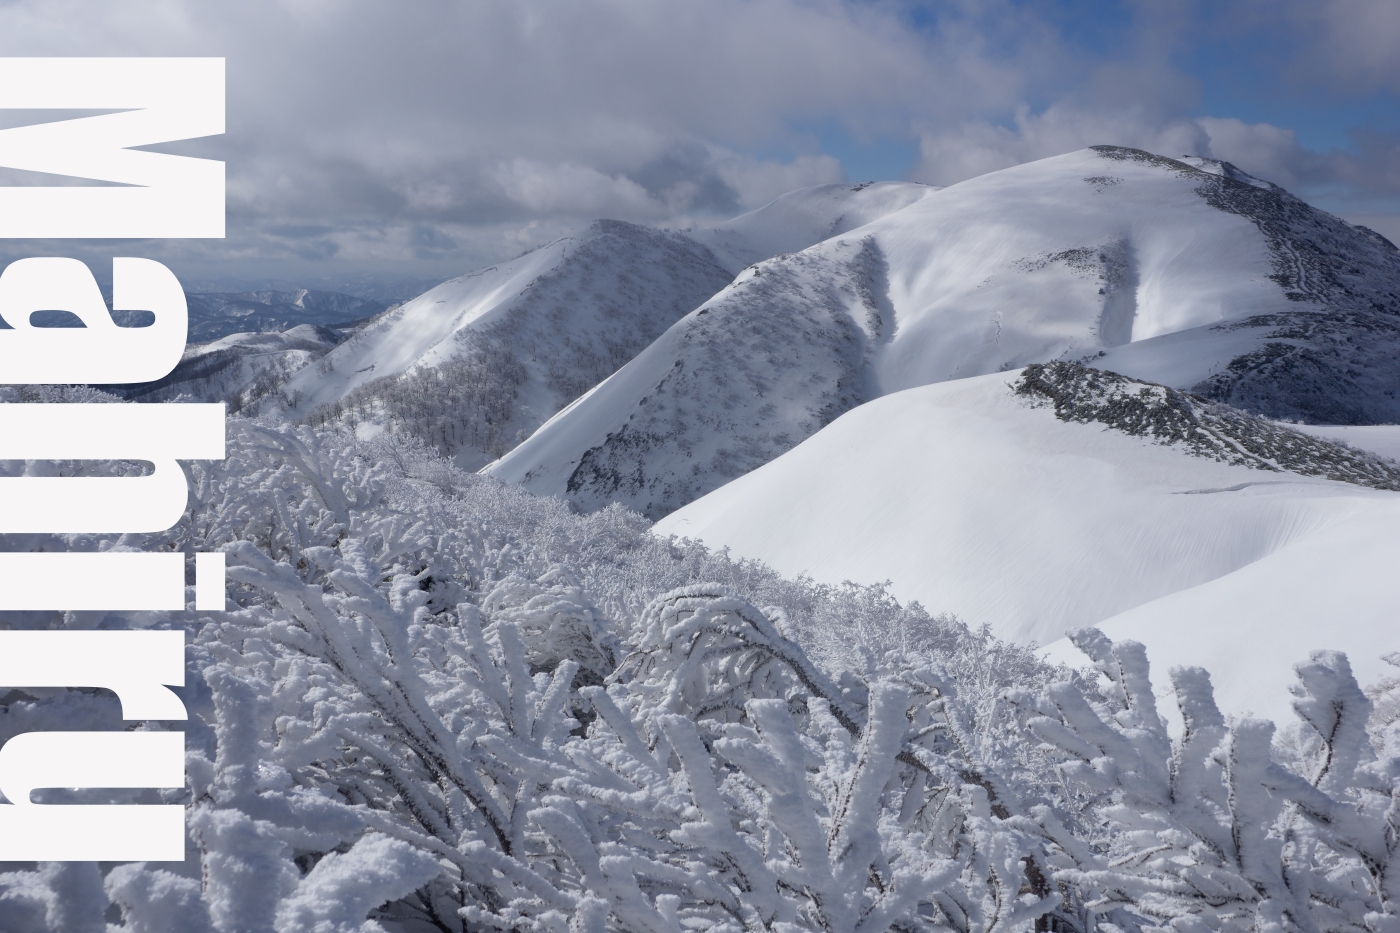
397, 142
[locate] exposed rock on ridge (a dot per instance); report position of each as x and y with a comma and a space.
1204, 428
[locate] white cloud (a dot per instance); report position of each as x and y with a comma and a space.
1263, 150
1387, 225
570, 188
757, 182
975, 148
360, 114
1351, 43
448, 134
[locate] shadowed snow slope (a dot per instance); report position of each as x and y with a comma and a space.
977, 501
1194, 275
589, 294
531, 334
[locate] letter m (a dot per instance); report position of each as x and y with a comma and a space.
155, 195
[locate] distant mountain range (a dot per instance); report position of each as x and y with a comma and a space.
243, 346
216, 315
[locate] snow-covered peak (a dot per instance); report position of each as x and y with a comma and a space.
520, 339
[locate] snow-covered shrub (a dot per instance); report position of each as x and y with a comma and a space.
343, 711
1210, 831
436, 702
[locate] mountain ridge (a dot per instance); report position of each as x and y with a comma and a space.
1165, 271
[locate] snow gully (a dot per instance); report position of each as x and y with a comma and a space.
149, 101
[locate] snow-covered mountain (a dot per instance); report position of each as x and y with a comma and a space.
479, 362
1188, 273
1037, 502
490, 355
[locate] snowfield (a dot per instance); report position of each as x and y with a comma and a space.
974, 501
1194, 275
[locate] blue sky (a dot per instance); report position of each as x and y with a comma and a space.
386, 141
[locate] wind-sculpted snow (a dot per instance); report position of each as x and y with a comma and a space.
1213, 537
1206, 429
411, 715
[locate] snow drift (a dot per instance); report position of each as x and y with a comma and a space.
974, 499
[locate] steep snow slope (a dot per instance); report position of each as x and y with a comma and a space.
717, 395
803, 217
978, 501
1190, 274
585, 295
540, 329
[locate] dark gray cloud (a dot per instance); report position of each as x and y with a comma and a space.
426, 138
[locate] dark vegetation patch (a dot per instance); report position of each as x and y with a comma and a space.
467, 401
1336, 360
1321, 367
1200, 426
